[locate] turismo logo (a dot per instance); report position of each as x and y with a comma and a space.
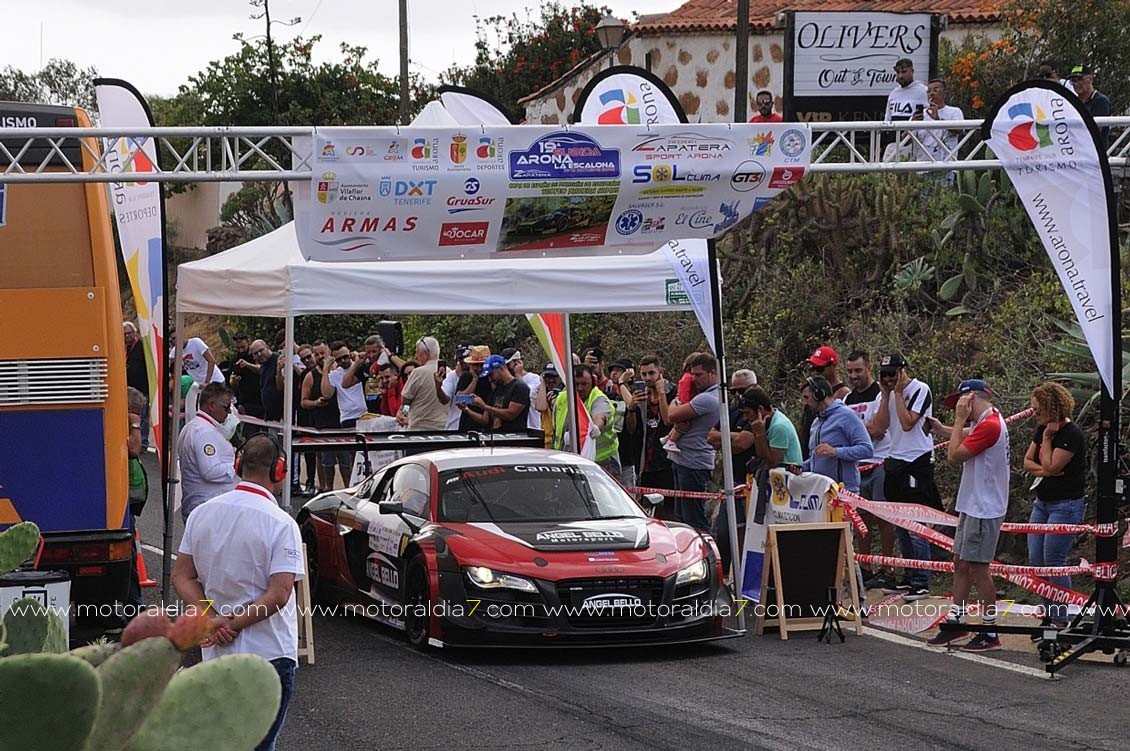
748, 176
619, 108
463, 233
785, 177
1032, 133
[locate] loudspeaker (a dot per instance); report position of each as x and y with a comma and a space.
393, 334
278, 464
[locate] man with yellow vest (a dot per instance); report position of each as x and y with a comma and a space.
601, 414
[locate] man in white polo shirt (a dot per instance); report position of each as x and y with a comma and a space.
243, 553
982, 500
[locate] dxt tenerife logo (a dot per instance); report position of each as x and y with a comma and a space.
620, 108
1031, 132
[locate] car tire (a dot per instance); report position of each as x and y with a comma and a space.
317, 589
416, 628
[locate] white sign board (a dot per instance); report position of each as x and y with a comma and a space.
854, 54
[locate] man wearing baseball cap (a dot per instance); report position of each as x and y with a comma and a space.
473, 383
823, 362
1082, 80
982, 500
507, 407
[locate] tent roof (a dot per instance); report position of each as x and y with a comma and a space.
268, 276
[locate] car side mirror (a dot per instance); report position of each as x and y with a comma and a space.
653, 499
391, 507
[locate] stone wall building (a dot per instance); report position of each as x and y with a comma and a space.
692, 50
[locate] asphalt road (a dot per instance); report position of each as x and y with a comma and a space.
369, 690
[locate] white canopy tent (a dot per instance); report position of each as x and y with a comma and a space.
268, 276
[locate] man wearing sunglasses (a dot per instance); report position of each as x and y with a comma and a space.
207, 459
343, 379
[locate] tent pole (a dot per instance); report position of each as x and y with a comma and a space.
174, 465
724, 420
570, 389
288, 409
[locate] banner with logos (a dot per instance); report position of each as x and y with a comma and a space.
139, 213
627, 95
451, 193
840, 65
1049, 145
792, 499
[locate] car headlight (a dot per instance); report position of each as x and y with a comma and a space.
487, 578
693, 573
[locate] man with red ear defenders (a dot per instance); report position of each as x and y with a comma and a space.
242, 554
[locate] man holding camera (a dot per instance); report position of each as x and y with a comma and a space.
507, 408
654, 400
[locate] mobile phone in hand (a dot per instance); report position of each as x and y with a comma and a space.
639, 386
464, 399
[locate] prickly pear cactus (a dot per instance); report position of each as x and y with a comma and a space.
97, 653
49, 702
17, 543
30, 628
133, 681
228, 703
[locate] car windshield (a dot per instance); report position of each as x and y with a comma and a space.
532, 493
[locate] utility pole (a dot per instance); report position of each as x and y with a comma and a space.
741, 64
403, 62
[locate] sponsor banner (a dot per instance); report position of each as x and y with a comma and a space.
792, 499
138, 211
383, 194
854, 54
996, 568
1047, 144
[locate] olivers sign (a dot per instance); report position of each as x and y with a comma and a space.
840, 66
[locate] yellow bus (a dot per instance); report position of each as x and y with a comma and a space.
63, 417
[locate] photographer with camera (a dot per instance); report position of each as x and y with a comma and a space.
654, 394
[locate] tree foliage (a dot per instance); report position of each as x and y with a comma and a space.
515, 57
1092, 33
59, 82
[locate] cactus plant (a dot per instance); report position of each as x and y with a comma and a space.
30, 628
17, 543
50, 702
133, 681
97, 653
229, 702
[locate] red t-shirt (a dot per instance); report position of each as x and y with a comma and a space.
773, 118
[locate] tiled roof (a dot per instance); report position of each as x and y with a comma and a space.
721, 15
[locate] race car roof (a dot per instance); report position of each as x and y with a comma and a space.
480, 457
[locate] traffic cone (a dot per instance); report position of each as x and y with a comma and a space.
142, 574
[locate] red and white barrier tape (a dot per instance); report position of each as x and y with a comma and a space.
996, 568
692, 494
1021, 415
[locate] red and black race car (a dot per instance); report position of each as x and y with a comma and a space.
507, 546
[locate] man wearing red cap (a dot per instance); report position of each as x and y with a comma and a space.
823, 362
982, 500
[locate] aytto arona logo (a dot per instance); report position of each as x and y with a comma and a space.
619, 108
1030, 131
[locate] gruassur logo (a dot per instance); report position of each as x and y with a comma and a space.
563, 156
1031, 131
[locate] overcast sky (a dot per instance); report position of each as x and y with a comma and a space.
157, 44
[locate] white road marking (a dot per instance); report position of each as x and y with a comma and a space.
157, 550
970, 656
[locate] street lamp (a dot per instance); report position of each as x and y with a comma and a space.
610, 32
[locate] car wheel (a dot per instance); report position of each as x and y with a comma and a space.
317, 591
417, 604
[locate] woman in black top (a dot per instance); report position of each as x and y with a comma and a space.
1057, 459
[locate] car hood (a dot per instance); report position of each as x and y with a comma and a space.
594, 534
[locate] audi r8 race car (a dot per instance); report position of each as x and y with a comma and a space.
506, 546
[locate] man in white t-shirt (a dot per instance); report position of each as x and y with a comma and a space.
204, 449
241, 554
199, 362
940, 143
907, 101
982, 500
907, 405
344, 379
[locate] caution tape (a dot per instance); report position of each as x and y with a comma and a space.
1021, 415
996, 568
691, 494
